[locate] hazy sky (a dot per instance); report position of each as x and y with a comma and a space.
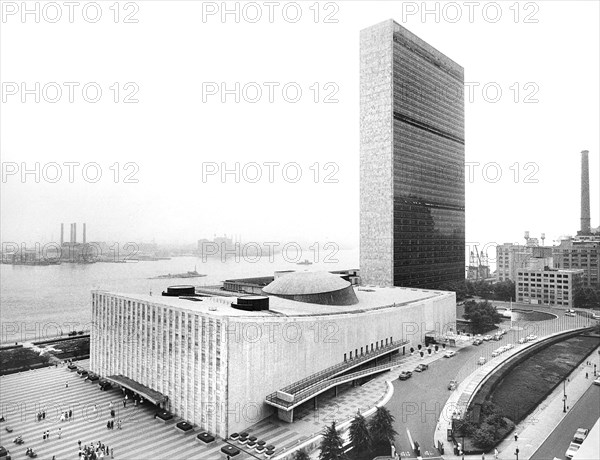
175, 61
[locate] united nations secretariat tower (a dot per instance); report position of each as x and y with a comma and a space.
225, 358
412, 153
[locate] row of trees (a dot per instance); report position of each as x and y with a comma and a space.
586, 297
502, 290
364, 437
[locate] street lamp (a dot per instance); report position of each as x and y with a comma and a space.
564, 397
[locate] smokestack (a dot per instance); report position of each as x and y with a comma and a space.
62, 234
71, 236
84, 233
585, 193
75, 233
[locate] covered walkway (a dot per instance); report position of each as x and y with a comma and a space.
151, 395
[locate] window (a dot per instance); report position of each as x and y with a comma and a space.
345, 356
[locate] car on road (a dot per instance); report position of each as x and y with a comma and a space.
569, 314
453, 384
487, 338
580, 435
405, 375
421, 367
477, 342
595, 316
449, 354
597, 381
573, 447
570, 310
481, 361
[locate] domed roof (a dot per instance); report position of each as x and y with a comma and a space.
306, 283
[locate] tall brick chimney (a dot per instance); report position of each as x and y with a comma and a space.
585, 193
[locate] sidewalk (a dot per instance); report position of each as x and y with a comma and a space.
536, 428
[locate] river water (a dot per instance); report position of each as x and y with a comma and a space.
38, 301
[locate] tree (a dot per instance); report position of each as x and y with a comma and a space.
483, 315
301, 455
381, 426
586, 297
332, 447
359, 434
504, 290
459, 287
484, 436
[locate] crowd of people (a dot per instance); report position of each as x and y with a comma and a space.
95, 451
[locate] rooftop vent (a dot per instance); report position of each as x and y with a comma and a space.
251, 303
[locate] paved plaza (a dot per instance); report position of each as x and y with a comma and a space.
23, 395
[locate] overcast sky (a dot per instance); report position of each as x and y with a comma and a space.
174, 58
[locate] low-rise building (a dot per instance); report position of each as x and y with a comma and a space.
547, 287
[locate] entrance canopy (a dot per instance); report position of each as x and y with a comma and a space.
148, 393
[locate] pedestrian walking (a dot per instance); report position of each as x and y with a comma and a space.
108, 425
59, 433
586, 375
124, 403
66, 384
482, 456
495, 454
70, 413
112, 455
44, 415
516, 437
79, 442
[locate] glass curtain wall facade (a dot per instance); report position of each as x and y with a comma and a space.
413, 231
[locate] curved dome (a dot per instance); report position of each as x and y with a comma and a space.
313, 287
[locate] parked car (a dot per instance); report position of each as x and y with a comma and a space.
570, 310
405, 375
481, 361
509, 346
495, 353
453, 384
597, 381
580, 435
421, 368
477, 342
522, 340
498, 337
449, 354
573, 447
570, 314
487, 338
